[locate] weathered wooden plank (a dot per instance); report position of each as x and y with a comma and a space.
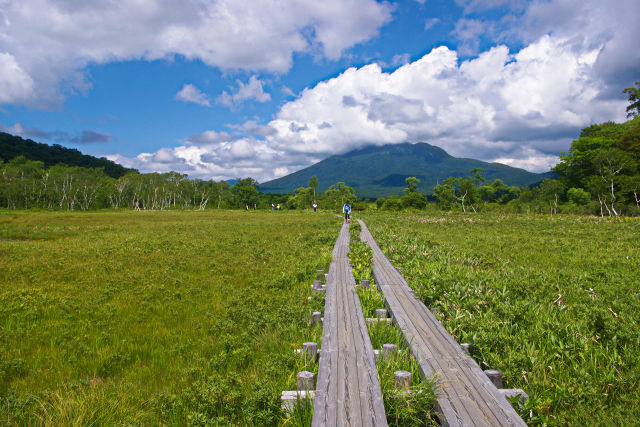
467, 396
369, 387
348, 391
459, 364
360, 378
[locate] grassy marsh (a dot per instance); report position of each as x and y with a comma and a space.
154, 317
553, 302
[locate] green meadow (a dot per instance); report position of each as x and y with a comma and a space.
552, 302
192, 318
155, 317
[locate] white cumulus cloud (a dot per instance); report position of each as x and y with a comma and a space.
46, 44
496, 106
190, 93
228, 159
253, 89
517, 107
15, 84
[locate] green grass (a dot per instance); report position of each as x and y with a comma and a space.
155, 317
554, 303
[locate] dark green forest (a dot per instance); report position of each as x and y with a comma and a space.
51, 155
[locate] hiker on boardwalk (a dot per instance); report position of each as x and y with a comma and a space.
315, 206
346, 209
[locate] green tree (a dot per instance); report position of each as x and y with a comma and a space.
245, 192
313, 183
445, 194
301, 198
412, 184
576, 168
338, 194
476, 176
551, 190
415, 200
578, 196
511, 192
633, 109
612, 165
494, 191
412, 199
21, 185
393, 203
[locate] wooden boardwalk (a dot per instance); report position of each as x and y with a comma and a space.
466, 396
348, 392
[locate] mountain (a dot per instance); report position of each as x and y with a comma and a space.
376, 171
13, 146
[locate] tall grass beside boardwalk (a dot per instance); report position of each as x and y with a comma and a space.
552, 302
154, 318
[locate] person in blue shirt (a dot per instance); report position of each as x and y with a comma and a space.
346, 209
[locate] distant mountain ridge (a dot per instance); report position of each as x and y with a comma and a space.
12, 146
380, 171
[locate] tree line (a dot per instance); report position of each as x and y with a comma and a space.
29, 184
599, 175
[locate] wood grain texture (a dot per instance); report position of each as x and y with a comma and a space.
348, 392
466, 397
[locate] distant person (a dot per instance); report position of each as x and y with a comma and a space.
315, 206
273, 206
246, 207
346, 209
255, 206
278, 207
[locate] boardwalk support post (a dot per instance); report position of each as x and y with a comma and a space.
310, 349
495, 376
389, 349
402, 379
306, 381
316, 318
381, 313
289, 399
365, 283
466, 347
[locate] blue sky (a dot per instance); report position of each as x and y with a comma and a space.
261, 88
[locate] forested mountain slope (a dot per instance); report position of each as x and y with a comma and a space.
13, 146
381, 171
